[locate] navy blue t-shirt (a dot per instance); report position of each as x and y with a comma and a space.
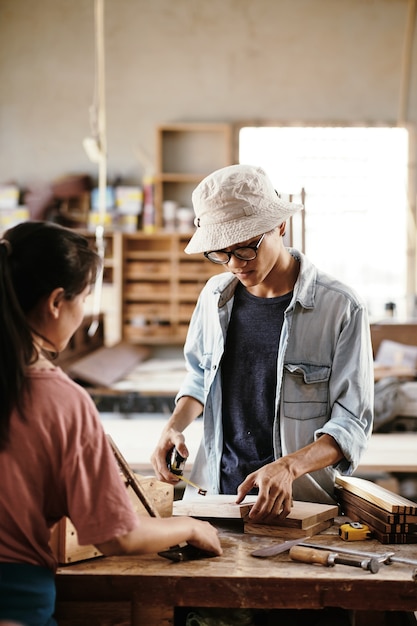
249, 372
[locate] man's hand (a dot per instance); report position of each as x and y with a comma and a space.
186, 411
274, 500
275, 479
170, 438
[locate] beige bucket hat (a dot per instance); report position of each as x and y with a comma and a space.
234, 204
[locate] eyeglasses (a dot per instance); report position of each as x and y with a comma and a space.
244, 253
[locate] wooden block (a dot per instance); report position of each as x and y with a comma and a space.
148, 496
284, 532
65, 547
159, 494
306, 514
383, 498
303, 514
64, 538
219, 506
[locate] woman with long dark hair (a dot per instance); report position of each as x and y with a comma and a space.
55, 459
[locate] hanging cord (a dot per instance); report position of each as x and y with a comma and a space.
98, 124
407, 58
406, 62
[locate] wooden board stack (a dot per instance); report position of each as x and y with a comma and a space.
305, 520
392, 518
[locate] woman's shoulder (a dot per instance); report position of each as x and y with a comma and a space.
56, 387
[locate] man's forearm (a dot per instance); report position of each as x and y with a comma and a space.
186, 411
322, 453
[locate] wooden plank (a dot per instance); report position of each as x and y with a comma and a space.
359, 515
285, 532
303, 514
395, 538
371, 492
346, 497
216, 506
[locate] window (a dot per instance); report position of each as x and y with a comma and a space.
355, 180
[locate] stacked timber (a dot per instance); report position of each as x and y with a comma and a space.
391, 517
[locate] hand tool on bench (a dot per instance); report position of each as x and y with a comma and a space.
331, 558
386, 557
279, 548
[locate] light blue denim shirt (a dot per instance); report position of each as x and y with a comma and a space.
324, 375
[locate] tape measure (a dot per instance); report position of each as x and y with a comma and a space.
354, 531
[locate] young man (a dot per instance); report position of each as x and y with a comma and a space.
278, 356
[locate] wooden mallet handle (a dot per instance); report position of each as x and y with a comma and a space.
310, 555
323, 557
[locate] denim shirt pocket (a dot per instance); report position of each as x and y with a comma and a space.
305, 392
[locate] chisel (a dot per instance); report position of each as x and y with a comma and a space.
279, 548
329, 559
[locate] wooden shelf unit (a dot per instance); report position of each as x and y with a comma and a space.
185, 154
160, 287
112, 252
112, 282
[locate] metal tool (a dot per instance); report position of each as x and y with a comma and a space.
329, 559
386, 557
176, 464
279, 548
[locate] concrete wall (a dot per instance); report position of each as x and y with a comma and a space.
301, 61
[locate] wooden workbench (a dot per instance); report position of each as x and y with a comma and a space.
144, 590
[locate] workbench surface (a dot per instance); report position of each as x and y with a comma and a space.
149, 587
